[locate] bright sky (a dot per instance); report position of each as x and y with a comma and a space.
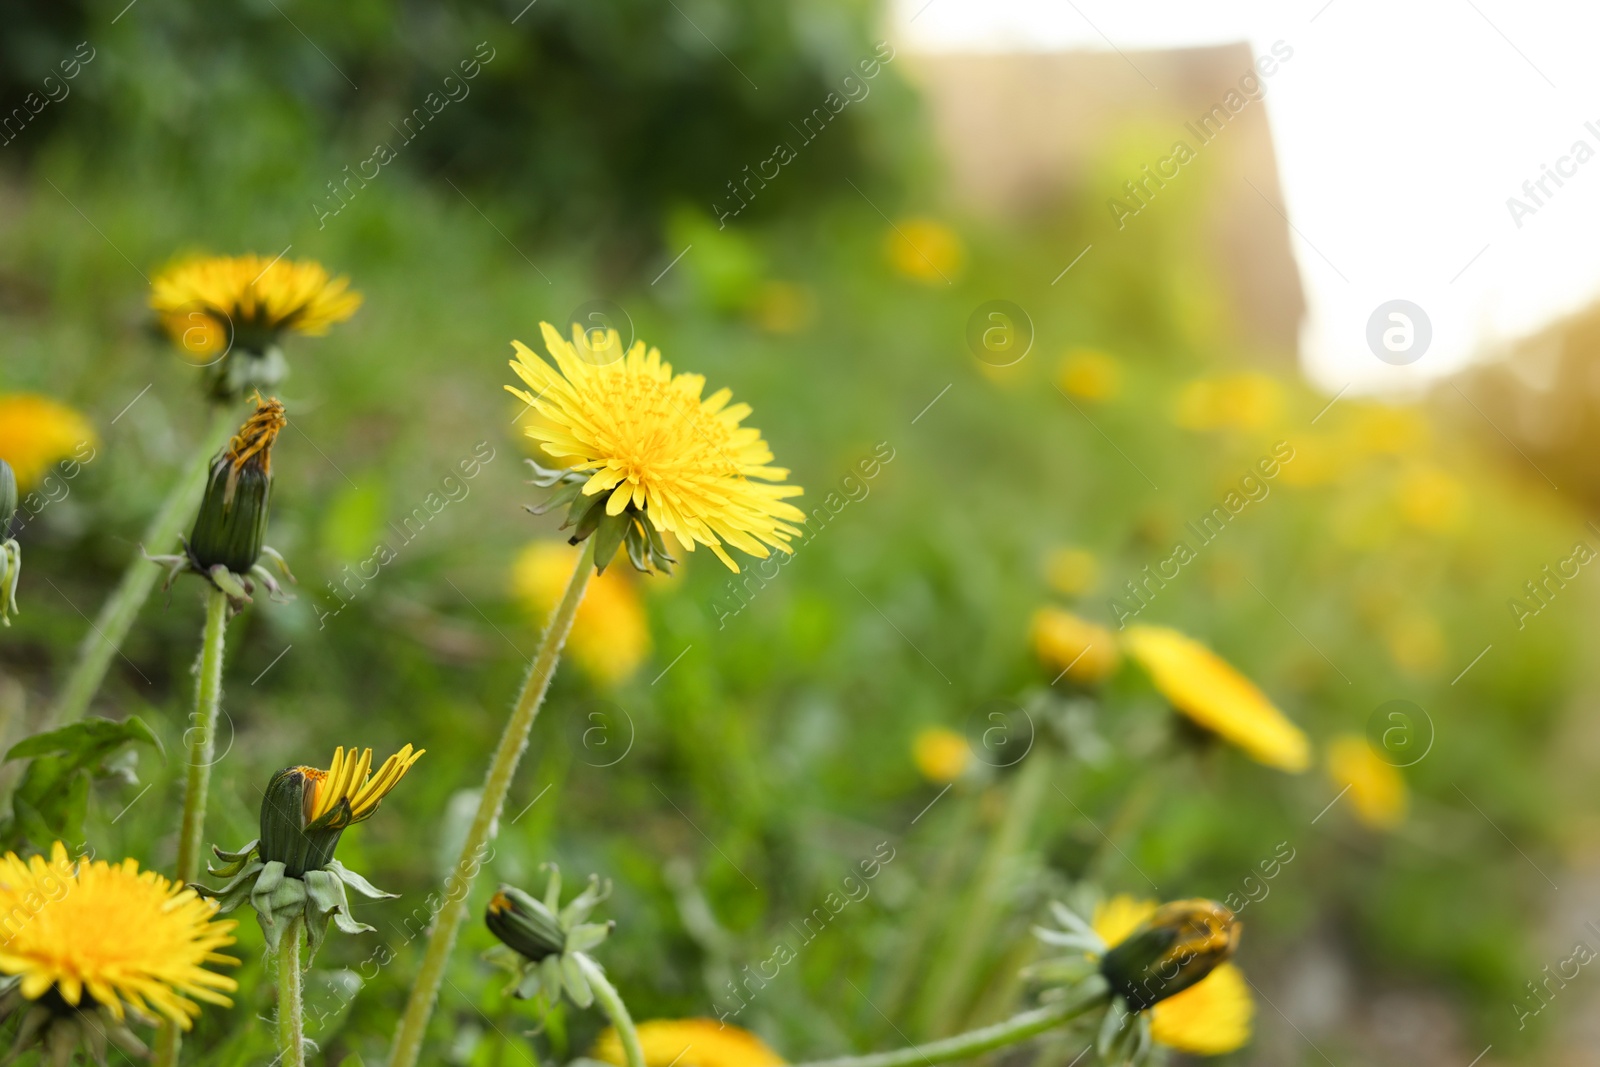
1402, 128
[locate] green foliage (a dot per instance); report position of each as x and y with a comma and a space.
52, 799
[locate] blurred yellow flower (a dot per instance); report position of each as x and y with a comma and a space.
1318, 460
1071, 571
924, 250
783, 307
690, 1043
940, 754
1204, 687
1416, 644
1089, 374
610, 635
1230, 402
1377, 791
1430, 498
1209, 1018
1389, 430
1066, 643
207, 301
36, 433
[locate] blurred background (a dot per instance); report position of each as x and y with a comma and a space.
822, 205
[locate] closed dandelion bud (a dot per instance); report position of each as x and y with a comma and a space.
232, 523
8, 496
1178, 945
524, 924
306, 809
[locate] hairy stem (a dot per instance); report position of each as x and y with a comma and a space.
202, 736
291, 1010
116, 617
413, 1025
616, 1011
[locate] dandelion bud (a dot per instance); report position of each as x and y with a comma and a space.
524, 924
1178, 945
8, 496
232, 523
306, 809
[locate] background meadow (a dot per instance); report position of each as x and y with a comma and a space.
736, 746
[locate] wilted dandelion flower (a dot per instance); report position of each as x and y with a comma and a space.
1376, 789
647, 452
1211, 1016
1066, 643
1089, 374
924, 250
230, 312
940, 754
610, 634
1206, 689
36, 433
98, 939
690, 1043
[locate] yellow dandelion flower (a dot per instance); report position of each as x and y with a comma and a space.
1206, 689
36, 433
1416, 644
610, 635
1065, 643
207, 301
646, 437
1089, 374
1211, 1017
940, 754
924, 250
349, 778
1071, 571
690, 1043
1230, 402
1376, 789
123, 936
1430, 498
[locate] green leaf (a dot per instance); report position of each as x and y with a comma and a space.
52, 799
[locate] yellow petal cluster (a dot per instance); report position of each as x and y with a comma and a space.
940, 754
1211, 1017
349, 777
1204, 687
690, 1043
201, 300
924, 250
648, 438
1377, 791
36, 433
119, 935
1065, 643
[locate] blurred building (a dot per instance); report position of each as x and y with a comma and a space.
1019, 130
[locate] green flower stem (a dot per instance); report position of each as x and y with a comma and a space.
944, 1007
965, 1046
291, 1009
116, 617
616, 1011
413, 1026
203, 736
